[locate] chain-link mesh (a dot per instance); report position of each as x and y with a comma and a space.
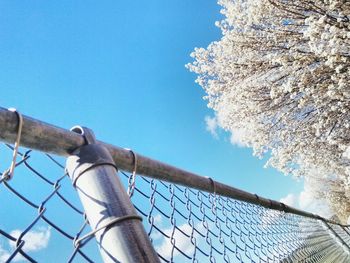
41, 217
187, 225
40, 213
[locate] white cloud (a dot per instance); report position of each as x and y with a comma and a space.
212, 125
237, 137
157, 219
4, 254
317, 206
181, 241
290, 199
305, 200
35, 240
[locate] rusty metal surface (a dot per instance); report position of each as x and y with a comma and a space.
49, 138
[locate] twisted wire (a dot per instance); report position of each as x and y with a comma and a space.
40, 208
183, 224
188, 225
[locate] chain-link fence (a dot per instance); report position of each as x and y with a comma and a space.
41, 219
187, 225
40, 213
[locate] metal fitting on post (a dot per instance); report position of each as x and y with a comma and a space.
112, 217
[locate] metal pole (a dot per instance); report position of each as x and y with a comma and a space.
117, 227
48, 138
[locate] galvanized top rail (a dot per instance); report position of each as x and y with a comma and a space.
48, 138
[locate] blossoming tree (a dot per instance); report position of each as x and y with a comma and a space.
280, 76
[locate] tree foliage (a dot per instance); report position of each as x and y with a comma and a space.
280, 74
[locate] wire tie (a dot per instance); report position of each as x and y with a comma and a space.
75, 179
257, 199
284, 208
105, 226
213, 184
132, 183
8, 174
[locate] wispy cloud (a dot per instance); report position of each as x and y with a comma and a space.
212, 126
157, 219
4, 254
181, 241
306, 200
291, 200
317, 206
237, 137
35, 240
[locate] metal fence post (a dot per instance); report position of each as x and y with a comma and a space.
111, 215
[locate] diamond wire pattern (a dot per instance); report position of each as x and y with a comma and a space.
184, 224
36, 204
188, 225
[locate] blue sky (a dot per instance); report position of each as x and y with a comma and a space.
118, 67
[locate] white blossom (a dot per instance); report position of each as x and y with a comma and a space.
281, 71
